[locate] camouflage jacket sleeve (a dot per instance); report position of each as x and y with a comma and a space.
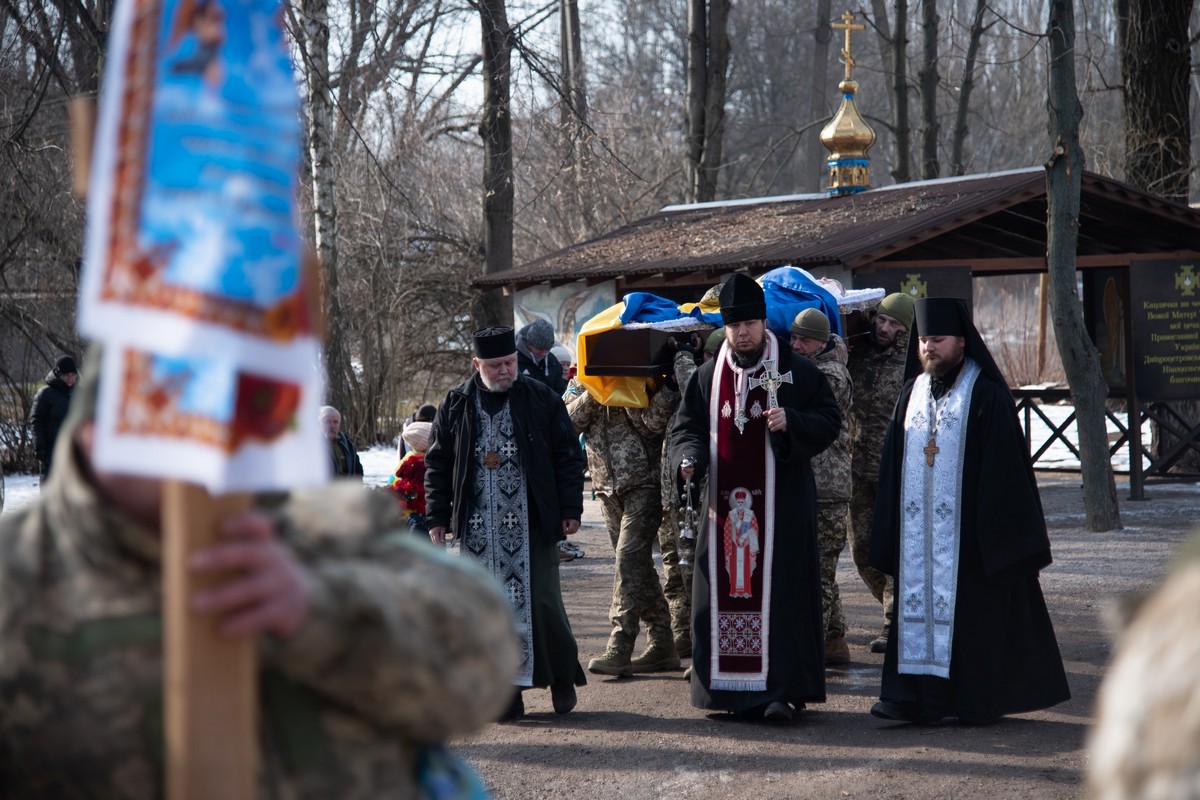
404, 634
685, 365
583, 410
652, 421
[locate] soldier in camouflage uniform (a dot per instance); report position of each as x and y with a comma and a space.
812, 339
877, 369
677, 553
624, 451
375, 643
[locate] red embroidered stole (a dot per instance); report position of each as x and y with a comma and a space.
741, 527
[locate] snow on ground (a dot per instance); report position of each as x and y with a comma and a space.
379, 462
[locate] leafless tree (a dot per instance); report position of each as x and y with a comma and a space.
1080, 359
708, 60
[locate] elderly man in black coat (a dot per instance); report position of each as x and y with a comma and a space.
504, 473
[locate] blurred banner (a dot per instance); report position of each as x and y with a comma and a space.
194, 271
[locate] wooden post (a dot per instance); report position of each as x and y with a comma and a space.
82, 113
1043, 305
211, 682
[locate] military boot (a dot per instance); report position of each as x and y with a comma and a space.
613, 662
658, 656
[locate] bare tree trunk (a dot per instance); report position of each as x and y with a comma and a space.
571, 53
928, 78
964, 93
883, 34
1156, 65
697, 92
1080, 360
496, 131
812, 165
901, 128
574, 116
1121, 12
714, 101
320, 139
810, 169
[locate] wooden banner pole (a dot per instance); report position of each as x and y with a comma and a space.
211, 682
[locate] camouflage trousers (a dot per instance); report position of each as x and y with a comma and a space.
679, 560
632, 518
862, 511
833, 519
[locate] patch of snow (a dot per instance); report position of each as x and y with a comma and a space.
379, 463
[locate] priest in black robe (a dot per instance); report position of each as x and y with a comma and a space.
752, 418
959, 525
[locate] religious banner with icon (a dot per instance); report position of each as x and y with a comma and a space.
194, 271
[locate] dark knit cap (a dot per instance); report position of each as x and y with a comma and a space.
742, 299
539, 334
65, 365
713, 343
811, 323
898, 306
496, 342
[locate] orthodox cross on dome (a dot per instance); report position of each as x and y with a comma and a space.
848, 25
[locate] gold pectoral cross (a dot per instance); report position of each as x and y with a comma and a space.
492, 459
930, 450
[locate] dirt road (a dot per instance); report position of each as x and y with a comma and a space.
639, 737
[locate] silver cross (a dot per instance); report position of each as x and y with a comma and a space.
771, 381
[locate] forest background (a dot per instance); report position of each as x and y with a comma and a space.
450, 137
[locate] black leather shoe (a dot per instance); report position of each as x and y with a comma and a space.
515, 710
902, 712
563, 695
879, 643
886, 709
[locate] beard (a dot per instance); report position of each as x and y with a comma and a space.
500, 385
746, 360
938, 367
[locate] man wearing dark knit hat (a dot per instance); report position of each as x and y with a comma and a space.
534, 359
504, 472
959, 527
50, 406
751, 419
876, 365
812, 339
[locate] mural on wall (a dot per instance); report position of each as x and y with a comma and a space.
565, 307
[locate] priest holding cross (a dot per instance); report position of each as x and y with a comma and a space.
959, 525
753, 417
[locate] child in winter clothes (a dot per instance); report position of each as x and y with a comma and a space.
409, 481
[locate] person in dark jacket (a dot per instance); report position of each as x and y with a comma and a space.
343, 455
534, 359
50, 406
504, 472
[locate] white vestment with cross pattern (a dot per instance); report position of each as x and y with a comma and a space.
930, 514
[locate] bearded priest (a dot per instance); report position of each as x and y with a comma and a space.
959, 525
752, 418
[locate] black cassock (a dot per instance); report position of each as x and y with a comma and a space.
1004, 658
796, 642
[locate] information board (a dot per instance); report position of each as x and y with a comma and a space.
1165, 317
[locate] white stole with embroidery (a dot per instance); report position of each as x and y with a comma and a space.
930, 511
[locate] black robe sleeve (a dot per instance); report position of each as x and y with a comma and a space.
813, 417
689, 434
